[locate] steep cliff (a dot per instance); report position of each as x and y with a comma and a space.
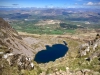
10, 39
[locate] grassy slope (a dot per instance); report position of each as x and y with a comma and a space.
70, 60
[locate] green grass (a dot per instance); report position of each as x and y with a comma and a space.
30, 27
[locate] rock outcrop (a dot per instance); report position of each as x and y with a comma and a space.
12, 40
13, 48
91, 49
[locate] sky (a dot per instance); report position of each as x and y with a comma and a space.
51, 3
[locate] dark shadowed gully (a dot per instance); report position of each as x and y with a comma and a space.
51, 53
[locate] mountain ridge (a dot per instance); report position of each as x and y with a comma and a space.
12, 40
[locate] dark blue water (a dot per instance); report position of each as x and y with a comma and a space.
51, 53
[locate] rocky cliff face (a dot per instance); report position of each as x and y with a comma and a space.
91, 49
13, 50
11, 40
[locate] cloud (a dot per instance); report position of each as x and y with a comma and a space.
76, 3
10, 6
15, 4
5, 6
92, 4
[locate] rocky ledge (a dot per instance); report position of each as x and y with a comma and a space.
13, 49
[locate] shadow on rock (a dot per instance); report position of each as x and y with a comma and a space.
51, 53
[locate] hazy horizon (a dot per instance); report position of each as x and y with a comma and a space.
50, 3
